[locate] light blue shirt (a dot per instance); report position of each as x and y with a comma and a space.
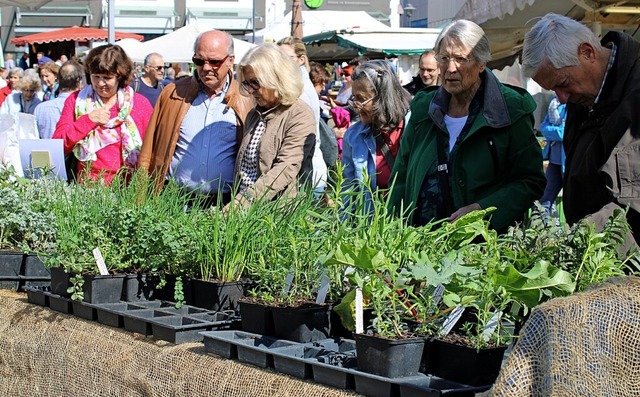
207, 147
14, 104
48, 113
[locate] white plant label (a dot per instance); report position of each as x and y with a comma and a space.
102, 267
323, 290
288, 281
451, 320
359, 320
490, 328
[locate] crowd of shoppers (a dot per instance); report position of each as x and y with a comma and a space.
453, 140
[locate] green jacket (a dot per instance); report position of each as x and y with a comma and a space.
498, 163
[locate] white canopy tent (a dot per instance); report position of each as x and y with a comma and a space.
318, 21
177, 46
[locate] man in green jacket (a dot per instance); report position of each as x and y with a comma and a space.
470, 144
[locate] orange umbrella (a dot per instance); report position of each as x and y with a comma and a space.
74, 33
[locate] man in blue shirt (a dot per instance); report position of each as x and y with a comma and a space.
150, 83
47, 113
197, 124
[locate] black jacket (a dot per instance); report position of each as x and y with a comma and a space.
414, 86
603, 146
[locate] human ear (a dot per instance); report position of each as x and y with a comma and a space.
586, 51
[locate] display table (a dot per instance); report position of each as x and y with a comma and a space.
46, 353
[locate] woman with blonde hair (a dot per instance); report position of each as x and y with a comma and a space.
25, 98
280, 132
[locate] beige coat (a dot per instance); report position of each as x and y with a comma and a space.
285, 150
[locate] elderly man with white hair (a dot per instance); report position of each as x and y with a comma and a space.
600, 82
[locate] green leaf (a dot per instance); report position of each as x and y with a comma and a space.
530, 288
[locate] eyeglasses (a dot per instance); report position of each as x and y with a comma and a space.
214, 63
357, 104
158, 68
251, 85
458, 60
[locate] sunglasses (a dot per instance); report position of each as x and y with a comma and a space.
214, 63
158, 68
251, 85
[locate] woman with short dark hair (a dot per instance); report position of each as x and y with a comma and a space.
49, 75
103, 124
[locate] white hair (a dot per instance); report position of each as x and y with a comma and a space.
469, 35
554, 38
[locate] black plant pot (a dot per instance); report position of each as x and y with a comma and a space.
216, 295
302, 324
60, 282
338, 330
33, 267
167, 292
256, 318
463, 364
391, 358
140, 287
10, 264
103, 289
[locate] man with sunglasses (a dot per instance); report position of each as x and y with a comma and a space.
197, 124
150, 83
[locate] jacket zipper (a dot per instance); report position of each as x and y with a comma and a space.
494, 154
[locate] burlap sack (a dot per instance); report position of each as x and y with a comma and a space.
45, 353
586, 344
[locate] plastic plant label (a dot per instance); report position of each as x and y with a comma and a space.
490, 328
451, 320
323, 290
102, 267
436, 296
359, 321
288, 281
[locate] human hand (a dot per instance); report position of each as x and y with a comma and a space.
100, 116
339, 132
463, 211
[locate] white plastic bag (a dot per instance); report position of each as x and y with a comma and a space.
12, 129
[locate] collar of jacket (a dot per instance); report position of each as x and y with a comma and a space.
495, 110
626, 57
196, 85
268, 114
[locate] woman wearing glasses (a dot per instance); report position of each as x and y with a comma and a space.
102, 125
470, 144
280, 132
25, 99
371, 144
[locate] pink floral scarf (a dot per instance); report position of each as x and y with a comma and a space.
104, 135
